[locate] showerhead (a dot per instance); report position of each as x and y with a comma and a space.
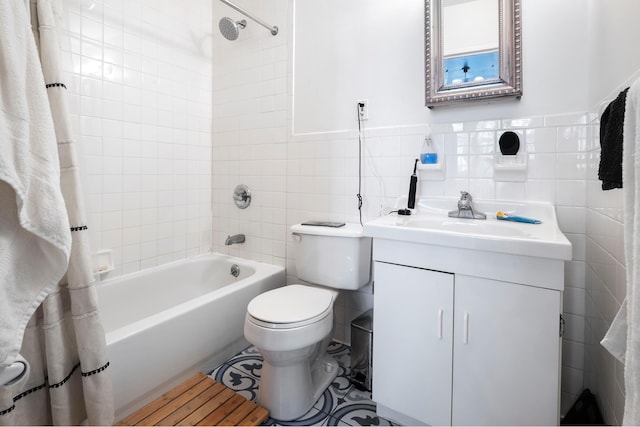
230, 29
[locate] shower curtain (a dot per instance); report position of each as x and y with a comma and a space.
631, 180
622, 339
64, 342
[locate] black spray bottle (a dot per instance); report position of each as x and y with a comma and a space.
413, 183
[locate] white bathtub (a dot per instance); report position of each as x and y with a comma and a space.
164, 324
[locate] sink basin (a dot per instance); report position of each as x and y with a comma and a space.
465, 226
430, 224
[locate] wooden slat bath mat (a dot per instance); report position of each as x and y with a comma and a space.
198, 401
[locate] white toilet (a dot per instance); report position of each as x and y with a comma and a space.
292, 326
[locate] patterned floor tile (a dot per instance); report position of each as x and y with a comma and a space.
314, 417
335, 393
239, 381
356, 414
249, 361
342, 354
341, 404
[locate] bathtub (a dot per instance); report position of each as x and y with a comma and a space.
164, 324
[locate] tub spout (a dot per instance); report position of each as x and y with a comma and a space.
236, 238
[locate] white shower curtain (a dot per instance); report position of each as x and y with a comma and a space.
64, 342
631, 180
622, 339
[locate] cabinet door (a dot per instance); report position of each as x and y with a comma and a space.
506, 354
412, 344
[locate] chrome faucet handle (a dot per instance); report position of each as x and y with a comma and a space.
242, 196
465, 200
465, 208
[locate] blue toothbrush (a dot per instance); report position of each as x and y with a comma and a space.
501, 215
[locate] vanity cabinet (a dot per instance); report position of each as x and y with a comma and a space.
413, 342
464, 337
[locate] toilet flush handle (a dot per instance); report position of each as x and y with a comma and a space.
297, 237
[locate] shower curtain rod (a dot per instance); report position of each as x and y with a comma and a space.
273, 29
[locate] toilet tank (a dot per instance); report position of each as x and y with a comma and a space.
335, 257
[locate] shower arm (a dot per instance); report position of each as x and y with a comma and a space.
273, 29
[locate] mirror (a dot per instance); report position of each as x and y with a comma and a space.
472, 50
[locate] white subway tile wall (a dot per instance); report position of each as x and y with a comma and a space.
141, 93
604, 283
249, 133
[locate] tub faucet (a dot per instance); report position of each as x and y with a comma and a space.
465, 208
236, 238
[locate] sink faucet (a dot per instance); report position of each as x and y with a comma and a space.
236, 238
465, 208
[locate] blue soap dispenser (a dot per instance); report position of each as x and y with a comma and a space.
428, 154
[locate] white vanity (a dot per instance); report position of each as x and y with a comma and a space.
467, 315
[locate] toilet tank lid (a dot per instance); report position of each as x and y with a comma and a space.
347, 230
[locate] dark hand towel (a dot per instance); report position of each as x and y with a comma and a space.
611, 126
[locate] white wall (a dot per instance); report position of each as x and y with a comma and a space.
613, 58
469, 26
348, 51
375, 51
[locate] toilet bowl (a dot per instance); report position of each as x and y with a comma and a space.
291, 338
292, 326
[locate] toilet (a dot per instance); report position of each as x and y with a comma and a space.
292, 326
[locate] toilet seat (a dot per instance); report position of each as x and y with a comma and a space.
289, 307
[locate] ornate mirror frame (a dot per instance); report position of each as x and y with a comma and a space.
509, 81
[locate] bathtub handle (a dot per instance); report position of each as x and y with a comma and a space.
242, 196
297, 236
